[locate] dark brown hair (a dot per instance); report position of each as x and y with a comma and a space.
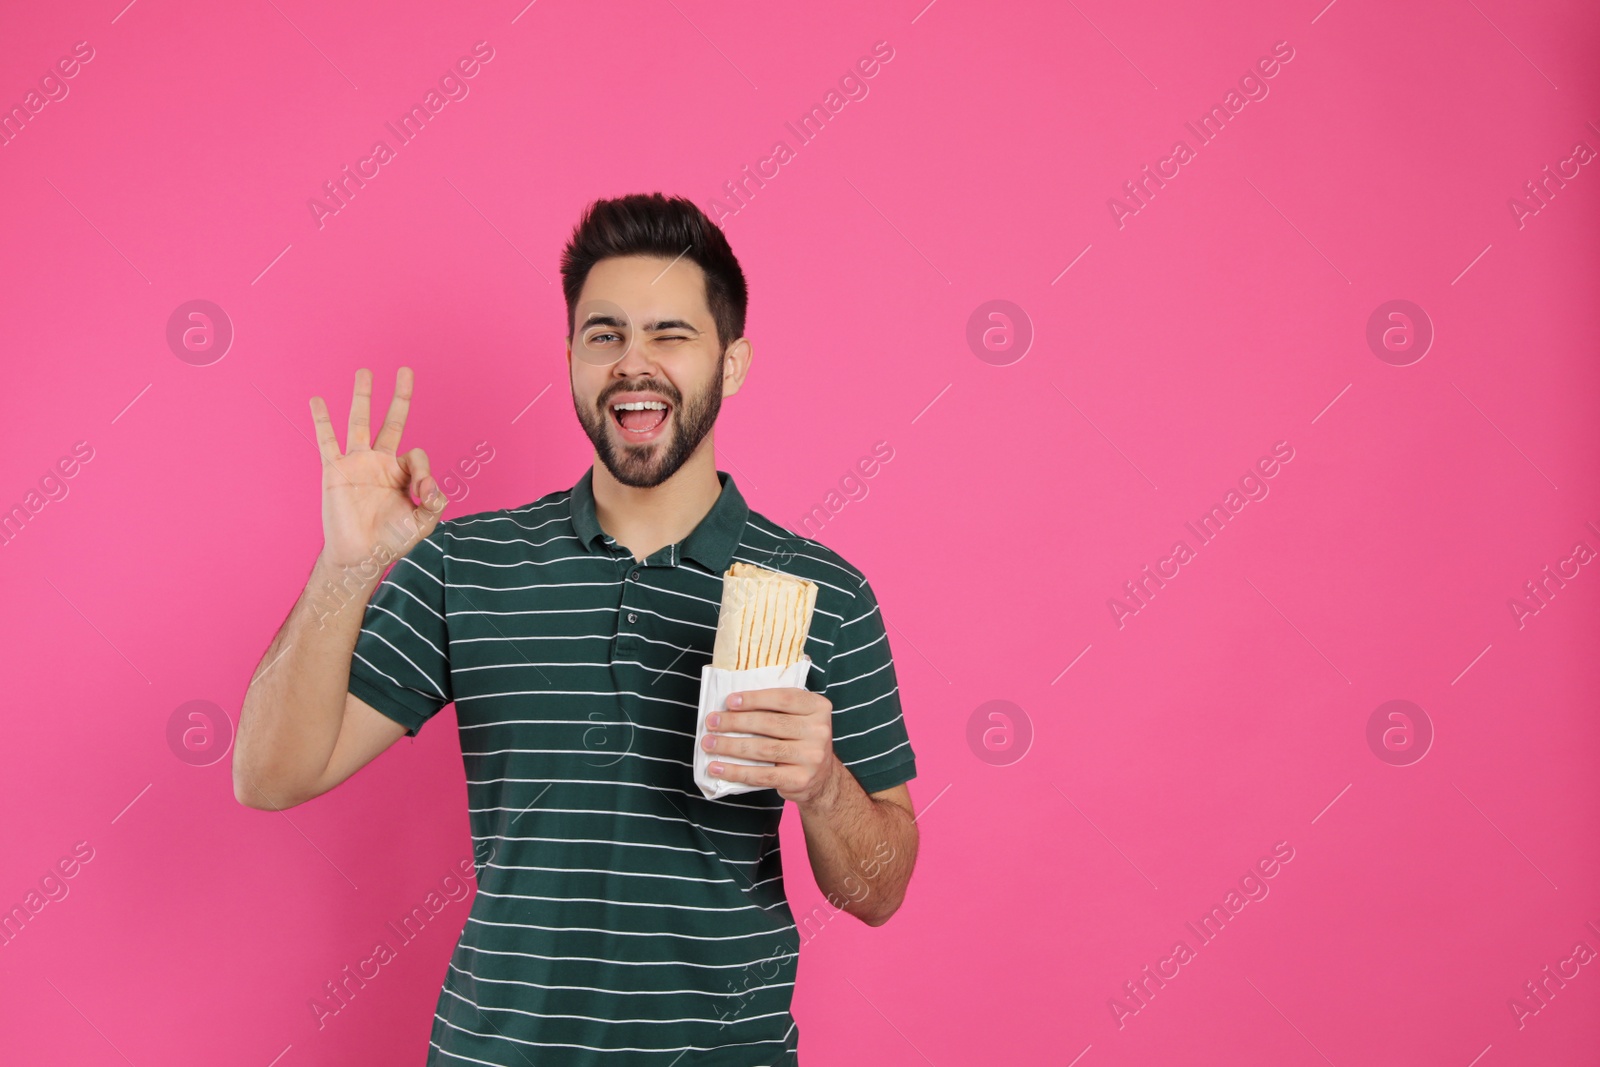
650, 224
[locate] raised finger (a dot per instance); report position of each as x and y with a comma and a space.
327, 442
359, 439
389, 435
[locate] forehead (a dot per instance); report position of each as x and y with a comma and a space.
648, 287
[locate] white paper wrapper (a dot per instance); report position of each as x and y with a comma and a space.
716, 685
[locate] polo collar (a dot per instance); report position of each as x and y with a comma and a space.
711, 543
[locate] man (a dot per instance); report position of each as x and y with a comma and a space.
621, 916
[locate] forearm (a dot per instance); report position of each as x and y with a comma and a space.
294, 707
861, 850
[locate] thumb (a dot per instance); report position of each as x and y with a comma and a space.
422, 487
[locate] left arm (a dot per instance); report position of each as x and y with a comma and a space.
862, 845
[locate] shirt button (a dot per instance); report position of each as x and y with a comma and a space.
633, 617
634, 576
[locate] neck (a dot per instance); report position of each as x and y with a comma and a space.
646, 520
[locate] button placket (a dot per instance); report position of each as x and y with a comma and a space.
630, 591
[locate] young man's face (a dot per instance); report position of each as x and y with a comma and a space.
652, 313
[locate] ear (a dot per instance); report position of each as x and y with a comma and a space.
736, 364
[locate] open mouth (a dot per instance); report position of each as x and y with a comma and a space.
640, 418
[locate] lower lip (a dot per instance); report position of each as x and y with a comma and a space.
647, 435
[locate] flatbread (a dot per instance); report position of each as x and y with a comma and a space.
789, 624
759, 624
805, 617
774, 653
783, 625
764, 619
734, 622
747, 623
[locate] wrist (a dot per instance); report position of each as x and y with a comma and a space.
832, 791
344, 581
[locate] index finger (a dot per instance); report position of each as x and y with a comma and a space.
783, 698
389, 436
327, 443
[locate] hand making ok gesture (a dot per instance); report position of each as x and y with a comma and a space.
369, 489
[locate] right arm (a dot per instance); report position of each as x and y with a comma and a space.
301, 732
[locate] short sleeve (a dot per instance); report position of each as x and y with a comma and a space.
401, 664
869, 732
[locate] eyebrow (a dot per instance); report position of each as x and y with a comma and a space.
599, 319
668, 324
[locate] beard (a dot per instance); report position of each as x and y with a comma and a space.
644, 466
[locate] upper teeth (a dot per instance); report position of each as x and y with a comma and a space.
641, 405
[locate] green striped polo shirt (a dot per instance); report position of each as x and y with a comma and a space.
621, 916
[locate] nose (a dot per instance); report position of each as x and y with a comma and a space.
635, 361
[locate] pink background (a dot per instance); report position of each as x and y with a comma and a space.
1228, 314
